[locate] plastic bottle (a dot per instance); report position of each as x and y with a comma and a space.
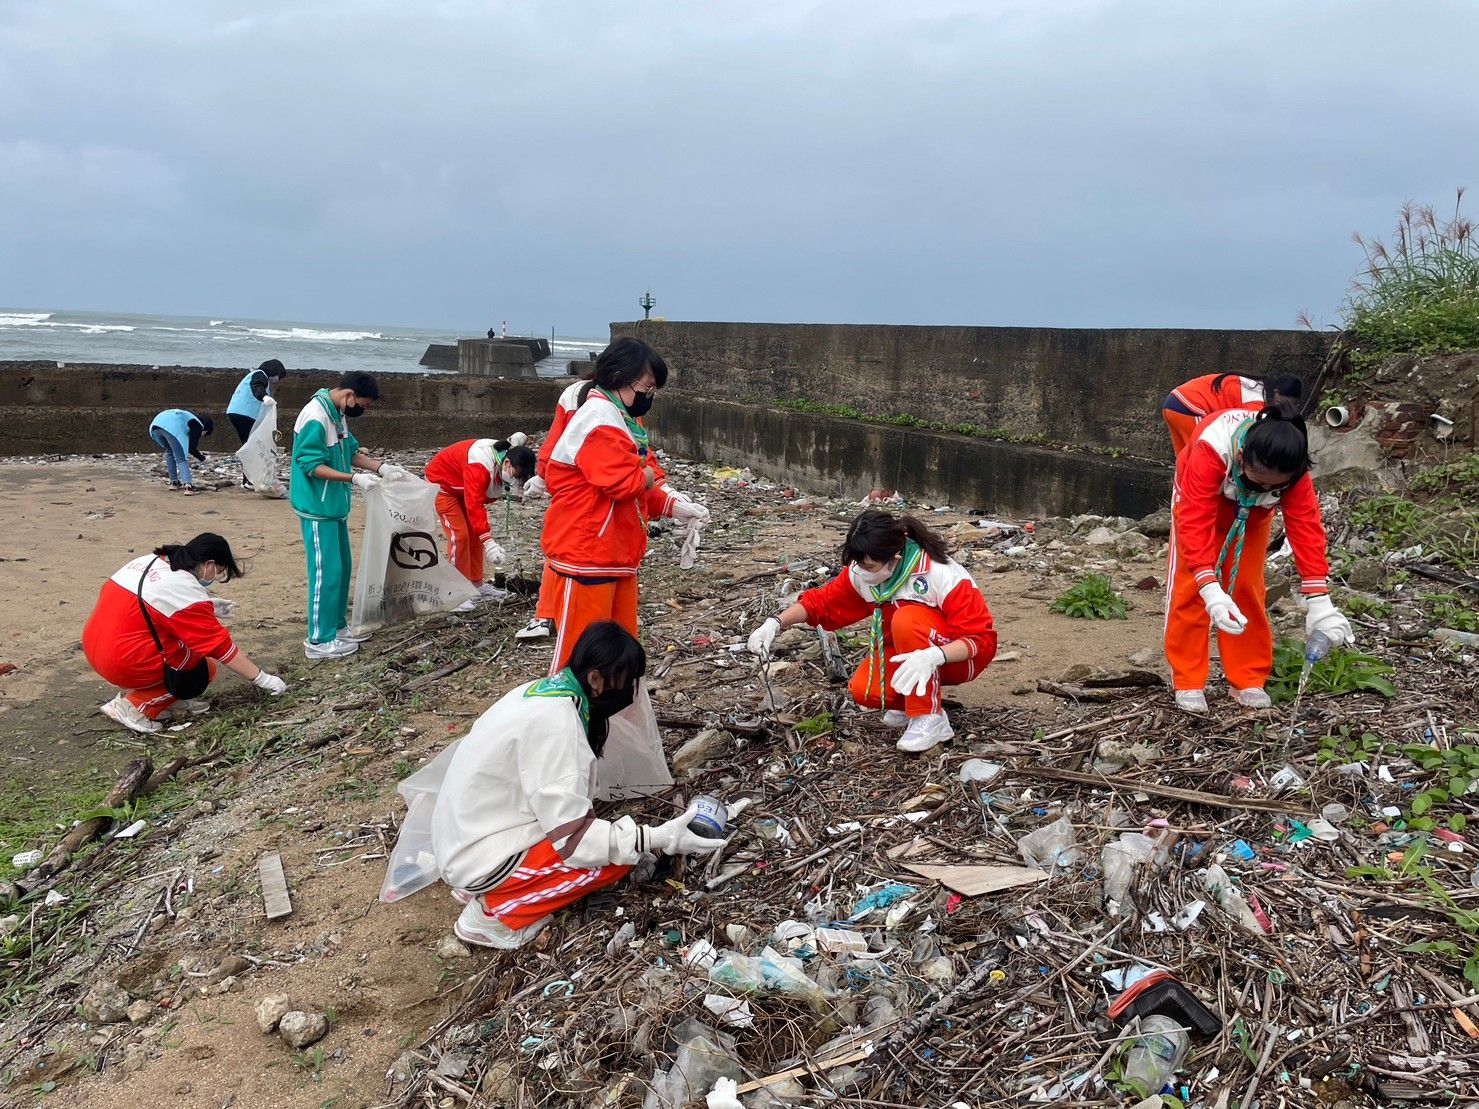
1316, 647
1155, 1054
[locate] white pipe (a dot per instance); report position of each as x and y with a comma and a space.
1337, 415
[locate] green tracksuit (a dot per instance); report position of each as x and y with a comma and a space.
321, 437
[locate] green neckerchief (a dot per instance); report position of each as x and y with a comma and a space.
564, 684
880, 595
638, 432
508, 507
1246, 501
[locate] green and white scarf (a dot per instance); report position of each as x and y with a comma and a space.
637, 431
881, 595
1247, 500
564, 684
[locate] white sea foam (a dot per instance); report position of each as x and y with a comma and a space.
23, 319
95, 328
218, 323
312, 335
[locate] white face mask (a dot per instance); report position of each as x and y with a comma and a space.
873, 577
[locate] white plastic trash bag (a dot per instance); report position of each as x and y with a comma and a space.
413, 866
632, 763
260, 456
401, 569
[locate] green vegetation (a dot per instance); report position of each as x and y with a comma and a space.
1091, 598
1448, 610
1371, 607
820, 724
1445, 527
903, 419
1341, 671
1420, 294
1461, 476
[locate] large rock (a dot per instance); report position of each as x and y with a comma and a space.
106, 1003
1101, 537
303, 1027
1157, 525
708, 745
270, 1011
1132, 543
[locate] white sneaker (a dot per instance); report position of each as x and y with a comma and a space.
490, 592
344, 635
334, 648
1192, 701
462, 897
896, 718
468, 606
476, 926
181, 709
121, 711
536, 629
925, 732
1252, 698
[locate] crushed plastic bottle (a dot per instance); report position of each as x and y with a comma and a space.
1155, 1054
1230, 901
1316, 647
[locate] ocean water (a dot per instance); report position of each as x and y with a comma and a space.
63, 336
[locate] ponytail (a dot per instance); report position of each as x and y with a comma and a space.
205, 547
879, 536
1278, 439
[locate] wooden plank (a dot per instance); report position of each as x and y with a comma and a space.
275, 897
1286, 804
966, 879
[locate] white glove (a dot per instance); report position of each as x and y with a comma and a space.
492, 552
1322, 616
270, 683
517, 439
389, 471
723, 1095
916, 669
689, 510
1226, 615
675, 839
763, 636
364, 482
534, 487
225, 609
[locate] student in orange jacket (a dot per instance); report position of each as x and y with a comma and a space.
931, 626
166, 589
542, 623
1239, 467
470, 475
1189, 404
604, 485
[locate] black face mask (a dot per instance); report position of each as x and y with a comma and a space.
354, 411
641, 405
614, 700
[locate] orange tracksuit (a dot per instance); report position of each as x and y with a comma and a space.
939, 605
1203, 508
469, 478
595, 529
546, 607
1189, 404
119, 647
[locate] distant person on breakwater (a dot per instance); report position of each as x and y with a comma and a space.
246, 402
178, 433
325, 456
157, 634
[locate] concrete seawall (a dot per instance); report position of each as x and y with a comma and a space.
85, 409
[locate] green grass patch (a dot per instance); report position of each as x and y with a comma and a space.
1341, 671
1091, 598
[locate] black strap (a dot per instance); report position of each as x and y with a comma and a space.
145, 609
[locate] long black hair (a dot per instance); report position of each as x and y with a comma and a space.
1274, 385
205, 547
1278, 440
613, 652
879, 535
622, 363
521, 458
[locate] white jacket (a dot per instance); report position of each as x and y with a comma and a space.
524, 773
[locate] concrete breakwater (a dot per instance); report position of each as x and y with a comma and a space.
87, 409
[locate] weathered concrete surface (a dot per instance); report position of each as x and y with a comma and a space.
494, 358
847, 457
440, 356
1088, 387
106, 409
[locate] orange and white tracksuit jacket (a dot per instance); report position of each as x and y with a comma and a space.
468, 471
1204, 506
596, 523
565, 408
116, 640
1189, 404
940, 604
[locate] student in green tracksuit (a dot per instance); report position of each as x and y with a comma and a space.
325, 456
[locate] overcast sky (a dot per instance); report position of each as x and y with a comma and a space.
1056, 162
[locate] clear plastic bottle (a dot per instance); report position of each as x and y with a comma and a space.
1155, 1054
1316, 647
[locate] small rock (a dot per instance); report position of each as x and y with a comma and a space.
135, 1058
451, 947
1132, 543
227, 984
1145, 658
270, 1011
1157, 525
9, 924
205, 808
405, 1065
140, 1011
184, 1088
106, 1003
232, 966
707, 745
302, 1027
1101, 537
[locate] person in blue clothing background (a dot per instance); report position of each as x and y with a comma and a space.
178, 434
246, 401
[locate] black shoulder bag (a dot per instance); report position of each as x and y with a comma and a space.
183, 684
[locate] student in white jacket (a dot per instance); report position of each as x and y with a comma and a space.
514, 830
